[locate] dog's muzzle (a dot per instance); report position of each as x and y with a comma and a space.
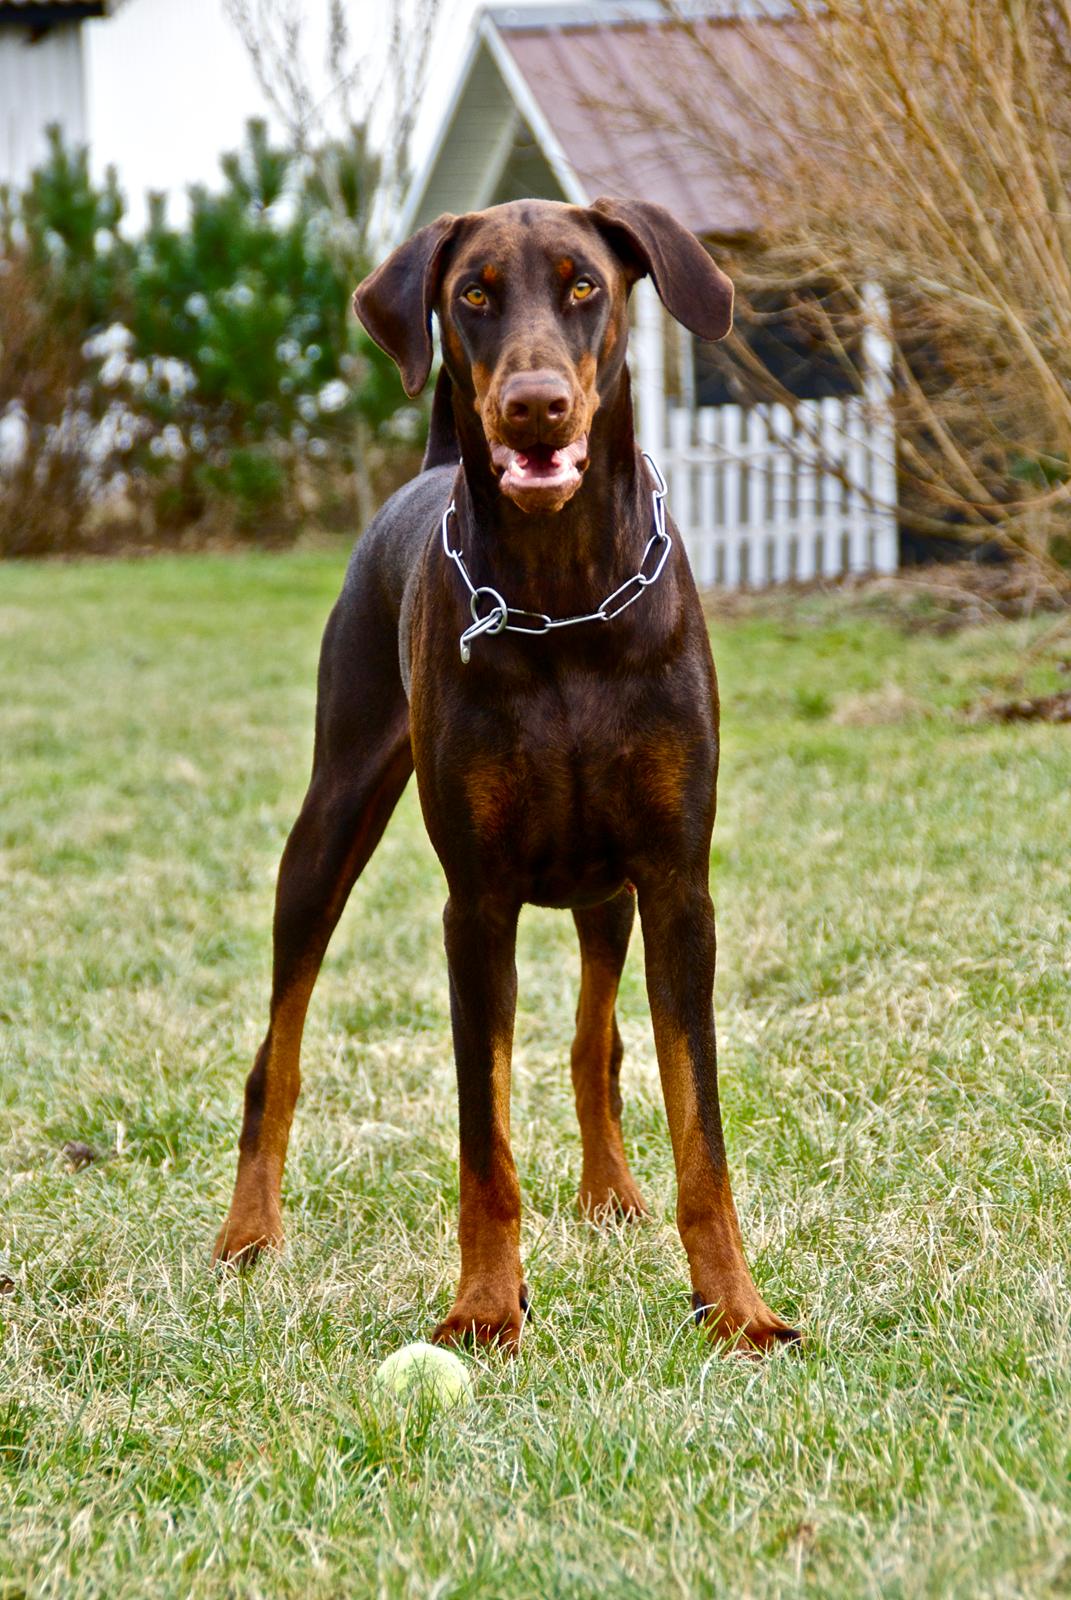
540, 472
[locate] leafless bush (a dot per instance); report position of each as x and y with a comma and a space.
354, 110
369, 80
928, 148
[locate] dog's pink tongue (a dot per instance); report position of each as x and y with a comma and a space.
539, 463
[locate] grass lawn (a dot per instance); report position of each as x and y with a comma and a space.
894, 887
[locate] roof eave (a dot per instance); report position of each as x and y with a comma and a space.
485, 34
45, 14
418, 188
532, 112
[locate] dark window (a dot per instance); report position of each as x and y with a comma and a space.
804, 343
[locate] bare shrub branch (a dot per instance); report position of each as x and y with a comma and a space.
928, 148
369, 86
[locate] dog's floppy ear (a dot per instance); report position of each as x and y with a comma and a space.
690, 286
396, 301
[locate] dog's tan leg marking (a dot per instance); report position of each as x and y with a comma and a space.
327, 849
255, 1216
606, 1184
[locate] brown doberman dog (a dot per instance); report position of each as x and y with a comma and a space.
570, 766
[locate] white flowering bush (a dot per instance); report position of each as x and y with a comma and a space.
207, 377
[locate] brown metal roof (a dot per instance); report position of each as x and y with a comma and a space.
640, 109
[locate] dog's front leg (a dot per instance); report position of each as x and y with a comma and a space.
491, 1299
680, 946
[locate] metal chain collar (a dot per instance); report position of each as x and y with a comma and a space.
497, 620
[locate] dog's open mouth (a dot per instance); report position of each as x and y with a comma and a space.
540, 475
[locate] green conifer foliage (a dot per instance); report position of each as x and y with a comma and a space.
208, 374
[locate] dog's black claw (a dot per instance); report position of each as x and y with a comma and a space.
699, 1309
526, 1304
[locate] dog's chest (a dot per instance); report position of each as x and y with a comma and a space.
569, 790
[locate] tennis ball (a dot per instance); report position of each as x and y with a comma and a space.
424, 1372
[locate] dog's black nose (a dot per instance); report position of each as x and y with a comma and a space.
536, 403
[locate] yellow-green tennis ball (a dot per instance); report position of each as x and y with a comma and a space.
424, 1373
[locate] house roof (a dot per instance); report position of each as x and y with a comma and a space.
43, 13
608, 102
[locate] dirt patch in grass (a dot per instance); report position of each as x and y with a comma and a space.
1034, 708
878, 708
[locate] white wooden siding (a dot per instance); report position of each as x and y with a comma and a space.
474, 149
647, 361
40, 83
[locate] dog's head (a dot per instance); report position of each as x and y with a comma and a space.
532, 301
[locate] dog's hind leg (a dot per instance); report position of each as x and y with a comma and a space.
606, 1184
361, 765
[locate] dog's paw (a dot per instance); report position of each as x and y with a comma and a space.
618, 1200
746, 1327
488, 1319
242, 1239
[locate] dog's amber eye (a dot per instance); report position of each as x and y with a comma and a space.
475, 295
582, 288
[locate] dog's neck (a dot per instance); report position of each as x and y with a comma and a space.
567, 561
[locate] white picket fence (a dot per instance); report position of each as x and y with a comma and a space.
765, 494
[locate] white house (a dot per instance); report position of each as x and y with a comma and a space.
42, 78
761, 492
157, 89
